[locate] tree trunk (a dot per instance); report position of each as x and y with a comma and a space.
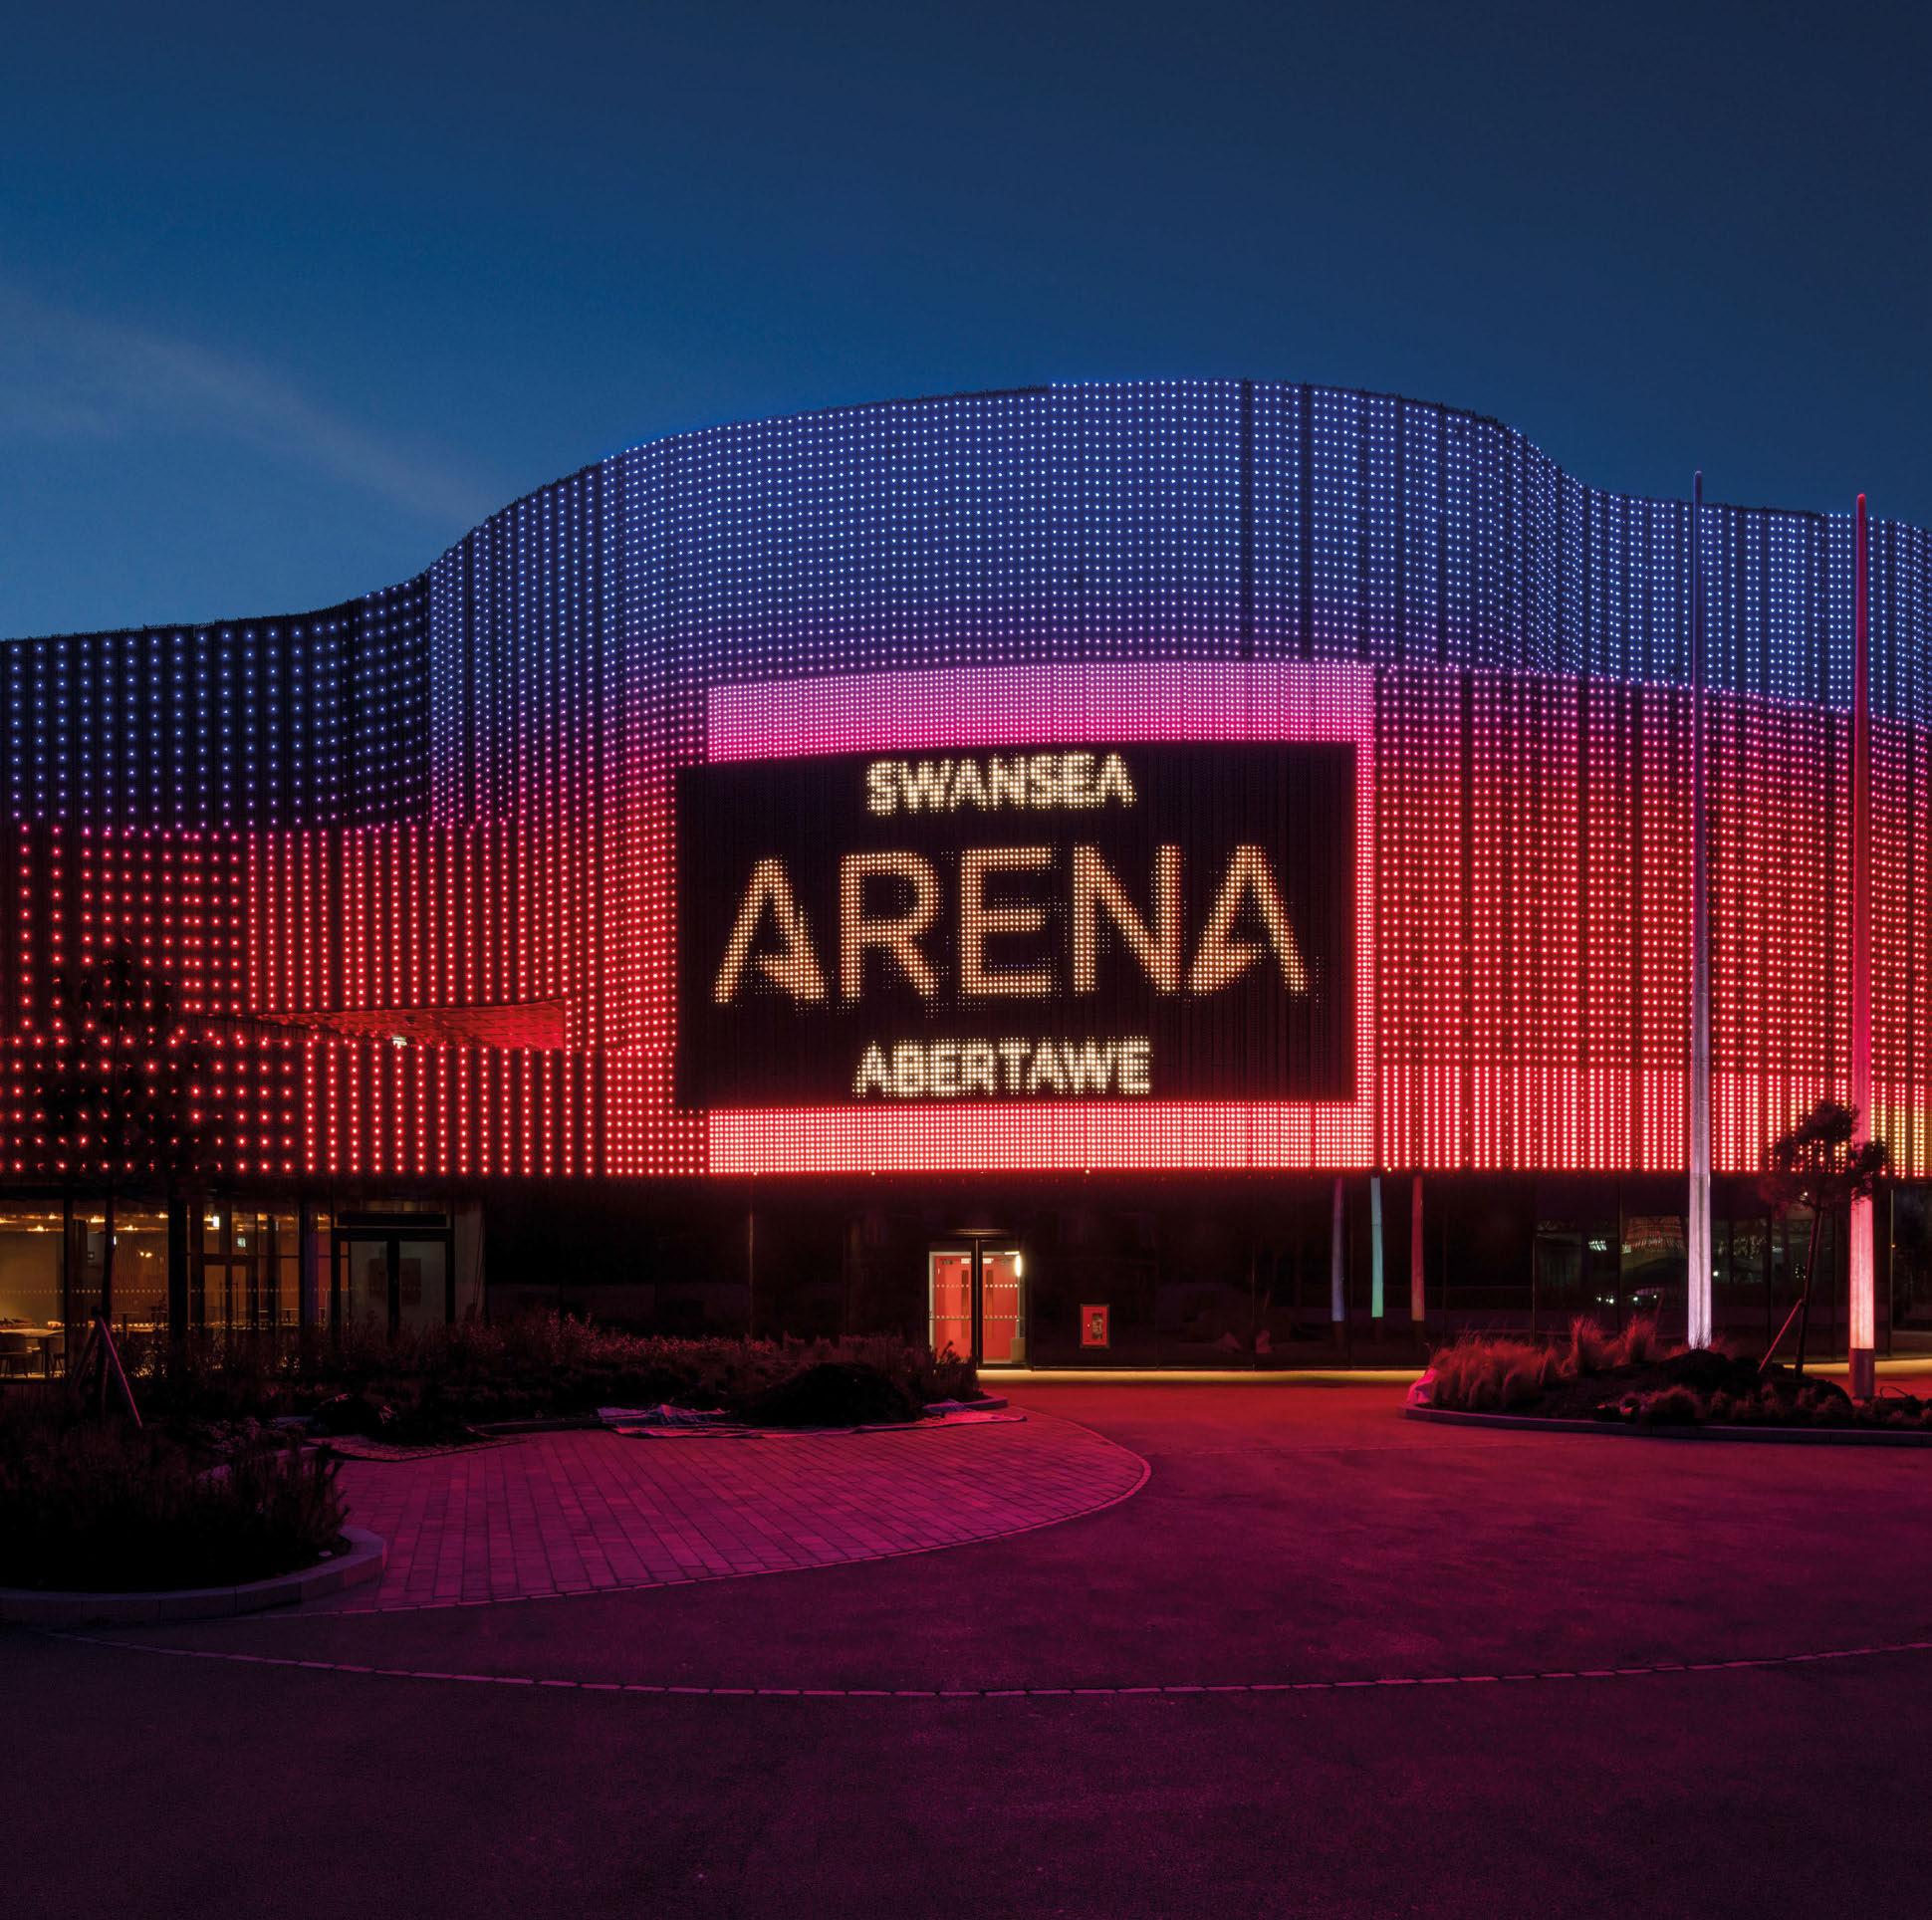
1805, 1299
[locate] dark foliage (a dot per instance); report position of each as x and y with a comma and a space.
356, 1413
1631, 1377
833, 1393
101, 1507
1823, 1165
1709, 1369
441, 1380
1816, 1164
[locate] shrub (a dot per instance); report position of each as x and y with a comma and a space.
1708, 1370
833, 1393
1804, 1397
101, 1507
439, 1379
1488, 1371
1649, 1383
1671, 1406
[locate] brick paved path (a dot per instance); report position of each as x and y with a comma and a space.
579, 1513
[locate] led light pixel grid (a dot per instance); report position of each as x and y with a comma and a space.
409, 859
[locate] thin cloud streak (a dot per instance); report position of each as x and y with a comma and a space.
66, 376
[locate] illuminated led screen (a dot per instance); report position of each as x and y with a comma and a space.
1128, 920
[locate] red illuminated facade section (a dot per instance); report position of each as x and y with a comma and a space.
411, 1001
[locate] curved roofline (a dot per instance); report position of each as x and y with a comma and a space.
1467, 414
1062, 386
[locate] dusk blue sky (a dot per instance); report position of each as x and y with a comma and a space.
291, 297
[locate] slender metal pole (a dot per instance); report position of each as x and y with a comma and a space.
1418, 1292
1697, 1222
1337, 1269
1376, 1302
1861, 1273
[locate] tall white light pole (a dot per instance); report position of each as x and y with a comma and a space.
1337, 1266
1862, 1275
1697, 1218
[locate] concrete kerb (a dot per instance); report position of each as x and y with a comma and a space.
363, 1561
1619, 1430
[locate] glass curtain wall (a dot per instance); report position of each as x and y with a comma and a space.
32, 1332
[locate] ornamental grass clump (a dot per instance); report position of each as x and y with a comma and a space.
1491, 1373
1482, 1373
1639, 1344
1636, 1378
1591, 1351
1671, 1406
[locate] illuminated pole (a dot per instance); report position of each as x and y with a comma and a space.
1418, 1298
1697, 1236
1376, 1302
1337, 1269
1863, 1316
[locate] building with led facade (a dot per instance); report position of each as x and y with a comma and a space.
1182, 866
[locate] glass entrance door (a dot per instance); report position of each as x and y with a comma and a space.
422, 1282
234, 1287
395, 1270
366, 1303
949, 1293
977, 1303
1002, 1307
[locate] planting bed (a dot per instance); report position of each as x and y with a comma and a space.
1635, 1380
436, 1387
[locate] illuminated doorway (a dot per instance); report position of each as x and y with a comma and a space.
977, 1301
949, 1273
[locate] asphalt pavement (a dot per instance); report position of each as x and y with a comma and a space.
1326, 1661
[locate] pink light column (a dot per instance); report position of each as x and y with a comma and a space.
1863, 1287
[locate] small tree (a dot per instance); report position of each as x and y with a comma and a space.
123, 1097
1816, 1166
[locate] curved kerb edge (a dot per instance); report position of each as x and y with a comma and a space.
364, 1562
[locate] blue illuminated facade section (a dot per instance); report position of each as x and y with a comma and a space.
311, 719
1212, 519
